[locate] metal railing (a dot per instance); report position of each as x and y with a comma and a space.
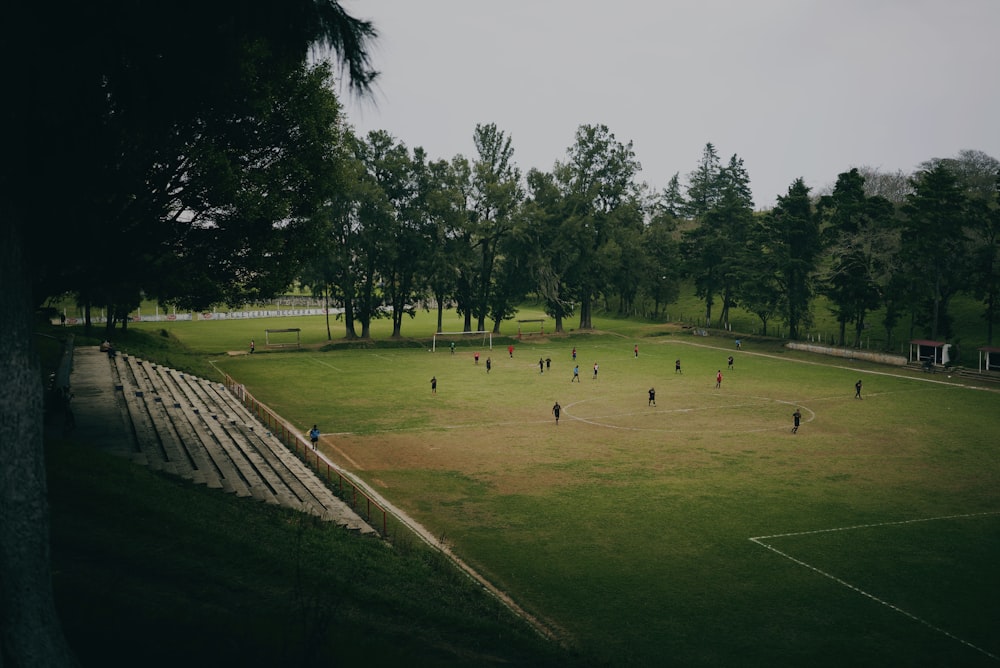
344, 486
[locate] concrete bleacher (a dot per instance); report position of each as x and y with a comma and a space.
196, 429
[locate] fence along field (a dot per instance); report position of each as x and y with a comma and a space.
628, 527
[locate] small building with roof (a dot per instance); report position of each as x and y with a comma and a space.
989, 358
930, 353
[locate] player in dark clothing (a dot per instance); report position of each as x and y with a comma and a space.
556, 410
652, 397
797, 417
857, 389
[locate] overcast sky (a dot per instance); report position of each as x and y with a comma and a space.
795, 88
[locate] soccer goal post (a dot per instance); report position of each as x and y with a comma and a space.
481, 337
541, 326
280, 338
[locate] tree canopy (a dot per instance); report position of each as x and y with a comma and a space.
144, 139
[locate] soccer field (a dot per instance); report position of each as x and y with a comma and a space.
699, 531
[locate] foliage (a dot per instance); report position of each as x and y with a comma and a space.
860, 241
794, 242
933, 246
597, 182
495, 194
159, 130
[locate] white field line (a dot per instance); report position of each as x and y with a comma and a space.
842, 366
595, 420
759, 540
320, 360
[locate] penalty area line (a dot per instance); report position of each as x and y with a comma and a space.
325, 363
759, 540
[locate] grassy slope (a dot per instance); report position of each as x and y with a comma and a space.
153, 571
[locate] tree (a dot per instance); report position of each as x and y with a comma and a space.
496, 194
976, 174
795, 242
934, 245
671, 200
761, 292
704, 185
444, 204
859, 242
334, 267
513, 274
893, 186
464, 245
329, 270
245, 194
383, 191
139, 94
602, 199
722, 205
662, 278
555, 253
731, 217
405, 238
984, 220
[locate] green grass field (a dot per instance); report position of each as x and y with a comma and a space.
696, 532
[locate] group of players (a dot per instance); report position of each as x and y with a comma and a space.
557, 409
544, 364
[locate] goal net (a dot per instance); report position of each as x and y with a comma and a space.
281, 338
479, 338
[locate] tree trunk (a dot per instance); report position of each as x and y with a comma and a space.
109, 323
559, 324
30, 634
326, 312
439, 298
349, 332
586, 321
